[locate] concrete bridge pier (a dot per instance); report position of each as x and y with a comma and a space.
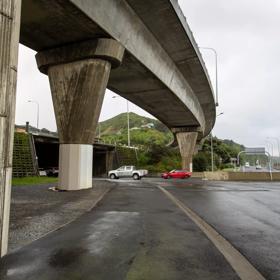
78, 76
10, 11
187, 146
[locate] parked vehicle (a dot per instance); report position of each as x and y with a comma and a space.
127, 171
180, 174
52, 172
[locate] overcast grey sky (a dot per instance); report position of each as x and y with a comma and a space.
246, 37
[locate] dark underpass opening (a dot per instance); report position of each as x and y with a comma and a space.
47, 153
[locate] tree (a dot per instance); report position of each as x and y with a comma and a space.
200, 162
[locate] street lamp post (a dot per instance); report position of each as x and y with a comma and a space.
278, 145
38, 109
128, 121
211, 143
128, 124
271, 144
212, 153
217, 98
216, 70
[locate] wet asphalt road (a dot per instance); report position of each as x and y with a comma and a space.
136, 232
246, 214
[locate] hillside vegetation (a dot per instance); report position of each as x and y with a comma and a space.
151, 137
144, 131
223, 150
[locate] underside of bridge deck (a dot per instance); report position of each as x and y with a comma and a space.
161, 71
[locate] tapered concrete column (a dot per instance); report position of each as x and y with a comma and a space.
187, 144
78, 76
9, 41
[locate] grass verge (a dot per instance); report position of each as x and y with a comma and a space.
228, 169
33, 181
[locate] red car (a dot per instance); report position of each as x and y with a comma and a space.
180, 174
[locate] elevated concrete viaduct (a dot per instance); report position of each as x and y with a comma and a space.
142, 50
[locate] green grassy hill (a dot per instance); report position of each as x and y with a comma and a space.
143, 131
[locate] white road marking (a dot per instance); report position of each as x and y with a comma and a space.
244, 269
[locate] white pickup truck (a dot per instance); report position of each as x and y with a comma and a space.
127, 171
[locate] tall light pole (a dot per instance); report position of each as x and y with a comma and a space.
38, 109
216, 70
211, 143
128, 121
278, 145
271, 151
271, 145
212, 152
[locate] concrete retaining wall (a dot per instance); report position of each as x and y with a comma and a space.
241, 176
198, 175
216, 176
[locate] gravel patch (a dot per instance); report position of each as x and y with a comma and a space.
36, 210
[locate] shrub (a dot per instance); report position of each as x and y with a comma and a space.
200, 162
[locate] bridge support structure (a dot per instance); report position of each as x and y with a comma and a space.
78, 76
10, 11
186, 139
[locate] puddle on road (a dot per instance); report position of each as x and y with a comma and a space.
106, 229
66, 256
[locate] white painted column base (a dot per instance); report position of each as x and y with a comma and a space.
7, 176
75, 167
